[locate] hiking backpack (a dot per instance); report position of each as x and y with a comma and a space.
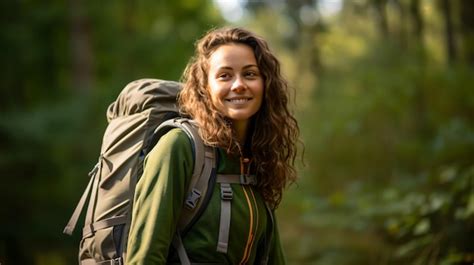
144, 111
133, 130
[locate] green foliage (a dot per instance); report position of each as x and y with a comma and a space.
377, 188
389, 173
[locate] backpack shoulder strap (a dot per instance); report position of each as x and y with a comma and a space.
203, 171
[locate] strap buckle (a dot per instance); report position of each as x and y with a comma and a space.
117, 261
226, 192
95, 168
193, 199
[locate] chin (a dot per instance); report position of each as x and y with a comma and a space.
240, 117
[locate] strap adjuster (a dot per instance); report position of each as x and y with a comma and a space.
247, 180
117, 261
193, 199
226, 192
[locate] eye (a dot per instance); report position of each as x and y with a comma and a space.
251, 74
223, 76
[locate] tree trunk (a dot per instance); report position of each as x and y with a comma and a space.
81, 51
418, 28
381, 19
402, 31
417, 20
451, 52
307, 33
467, 29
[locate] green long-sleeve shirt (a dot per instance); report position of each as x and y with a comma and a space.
159, 198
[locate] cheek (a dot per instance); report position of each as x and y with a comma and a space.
215, 92
261, 92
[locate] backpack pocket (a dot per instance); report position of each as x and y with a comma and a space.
104, 244
86, 249
108, 242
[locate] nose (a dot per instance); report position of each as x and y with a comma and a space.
238, 85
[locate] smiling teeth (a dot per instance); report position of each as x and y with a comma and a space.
239, 100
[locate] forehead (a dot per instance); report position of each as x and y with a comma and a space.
232, 55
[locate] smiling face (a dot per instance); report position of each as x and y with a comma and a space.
235, 82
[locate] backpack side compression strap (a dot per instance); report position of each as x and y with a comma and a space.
71, 225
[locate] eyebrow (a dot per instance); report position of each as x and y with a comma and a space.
245, 67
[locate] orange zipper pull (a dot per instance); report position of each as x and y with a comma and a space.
243, 161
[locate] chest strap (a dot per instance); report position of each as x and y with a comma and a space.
226, 198
237, 179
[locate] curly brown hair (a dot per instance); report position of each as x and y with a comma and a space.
273, 128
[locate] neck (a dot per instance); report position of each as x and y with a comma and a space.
240, 128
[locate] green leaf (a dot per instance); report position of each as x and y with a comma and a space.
422, 227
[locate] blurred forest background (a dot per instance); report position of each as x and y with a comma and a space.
384, 97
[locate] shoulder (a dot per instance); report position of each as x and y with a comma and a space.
175, 136
175, 139
174, 143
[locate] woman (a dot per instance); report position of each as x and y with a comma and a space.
235, 92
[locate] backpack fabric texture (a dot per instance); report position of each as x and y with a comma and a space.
132, 131
144, 111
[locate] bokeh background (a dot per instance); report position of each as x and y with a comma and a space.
384, 93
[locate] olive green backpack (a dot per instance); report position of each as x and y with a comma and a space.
144, 111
